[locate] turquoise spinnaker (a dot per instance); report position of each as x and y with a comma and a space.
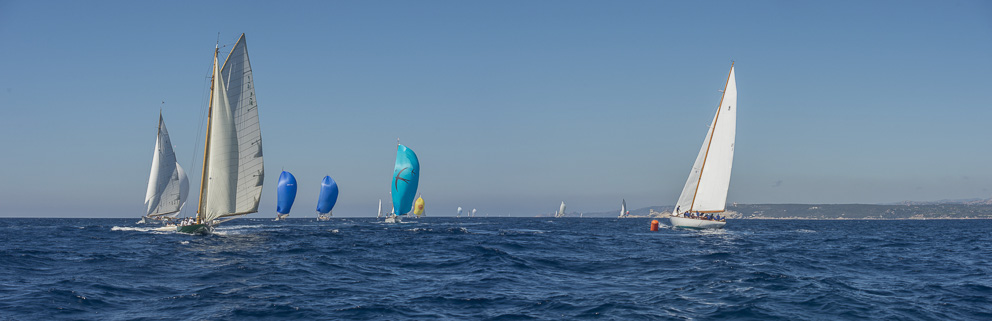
406, 177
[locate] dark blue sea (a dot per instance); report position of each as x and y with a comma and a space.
496, 269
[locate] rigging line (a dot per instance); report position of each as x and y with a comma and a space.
199, 129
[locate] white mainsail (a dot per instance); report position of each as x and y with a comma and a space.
167, 183
561, 210
241, 96
709, 180
232, 174
379, 214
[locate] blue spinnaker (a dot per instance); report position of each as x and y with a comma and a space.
406, 177
286, 191
328, 195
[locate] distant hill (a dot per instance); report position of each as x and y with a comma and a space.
861, 211
976, 208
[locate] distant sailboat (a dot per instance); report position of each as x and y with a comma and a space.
418, 206
286, 195
705, 191
406, 177
327, 197
379, 213
473, 213
233, 172
459, 212
561, 210
167, 183
623, 209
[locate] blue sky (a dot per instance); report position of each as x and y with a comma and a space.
512, 106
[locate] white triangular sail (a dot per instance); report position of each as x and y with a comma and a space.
232, 174
709, 180
167, 183
241, 97
623, 208
561, 210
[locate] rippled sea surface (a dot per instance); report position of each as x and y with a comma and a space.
496, 268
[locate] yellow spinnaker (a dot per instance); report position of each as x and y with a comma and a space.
418, 207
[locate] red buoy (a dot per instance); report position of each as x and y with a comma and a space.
654, 225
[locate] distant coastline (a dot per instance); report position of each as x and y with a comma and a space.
969, 209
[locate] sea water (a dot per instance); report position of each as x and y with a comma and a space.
496, 268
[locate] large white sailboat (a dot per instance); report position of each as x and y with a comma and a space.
561, 210
704, 196
231, 182
168, 185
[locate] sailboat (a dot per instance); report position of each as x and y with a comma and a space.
418, 206
233, 172
406, 177
623, 209
561, 210
705, 191
167, 183
459, 212
286, 195
473, 213
379, 213
327, 197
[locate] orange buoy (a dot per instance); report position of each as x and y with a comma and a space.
654, 225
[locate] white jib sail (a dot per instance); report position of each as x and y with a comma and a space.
167, 183
222, 155
706, 188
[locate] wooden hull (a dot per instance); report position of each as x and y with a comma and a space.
695, 224
194, 229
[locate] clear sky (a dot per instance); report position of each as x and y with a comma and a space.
512, 106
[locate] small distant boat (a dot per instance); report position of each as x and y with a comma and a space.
379, 213
286, 192
473, 213
406, 177
233, 170
418, 206
561, 210
168, 185
705, 191
623, 209
328, 196
459, 212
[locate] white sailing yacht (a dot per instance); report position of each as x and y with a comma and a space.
623, 209
168, 185
379, 213
231, 182
561, 210
705, 193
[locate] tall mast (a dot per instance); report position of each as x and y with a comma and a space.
712, 132
206, 145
